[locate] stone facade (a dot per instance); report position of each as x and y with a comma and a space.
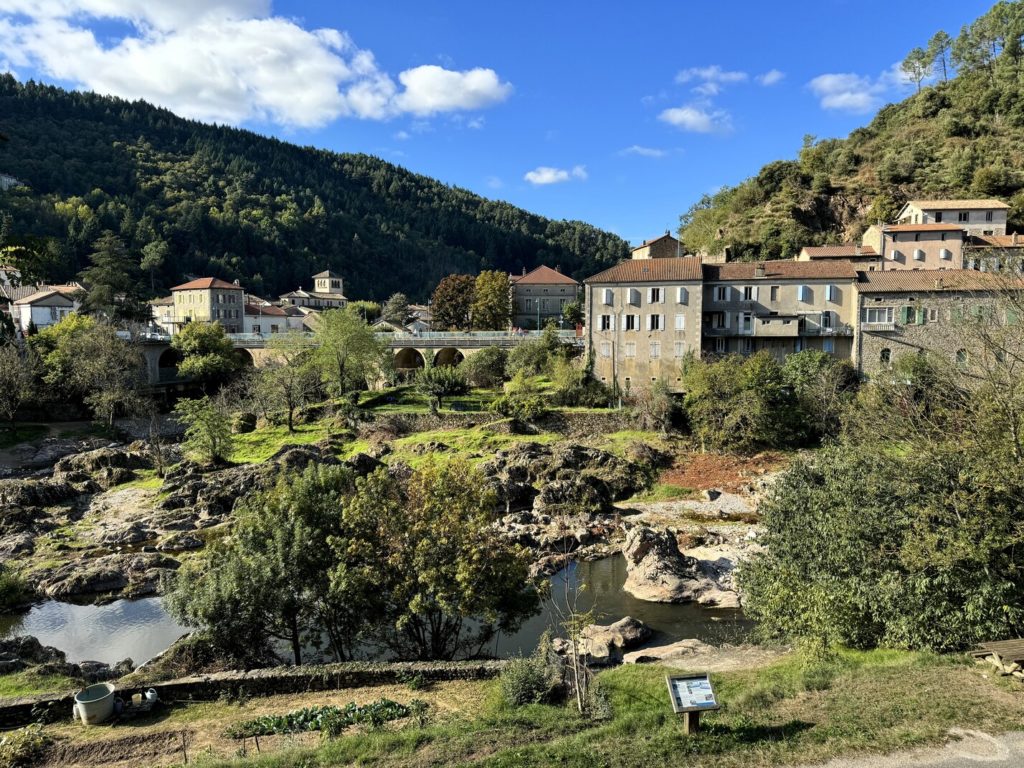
917, 246
208, 300
538, 297
664, 247
975, 217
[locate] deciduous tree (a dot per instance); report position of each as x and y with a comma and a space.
207, 354
207, 428
492, 301
348, 352
452, 303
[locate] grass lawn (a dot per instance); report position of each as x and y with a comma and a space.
406, 399
28, 683
664, 492
786, 713
261, 444
476, 443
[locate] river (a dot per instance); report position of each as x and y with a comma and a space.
140, 629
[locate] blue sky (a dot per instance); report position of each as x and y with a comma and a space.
619, 114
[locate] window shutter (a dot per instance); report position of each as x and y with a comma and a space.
921, 316
727, 315
684, 295
755, 293
1012, 317
905, 314
661, 322
650, 295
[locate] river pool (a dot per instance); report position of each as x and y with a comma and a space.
140, 629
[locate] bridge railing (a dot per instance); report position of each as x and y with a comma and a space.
455, 338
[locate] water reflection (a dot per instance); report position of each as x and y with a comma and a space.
135, 629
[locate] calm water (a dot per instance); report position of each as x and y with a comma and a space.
124, 629
140, 629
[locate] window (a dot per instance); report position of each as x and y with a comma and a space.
679, 350
963, 216
961, 357
655, 322
634, 297
720, 346
878, 315
684, 296
938, 217
749, 293
256, 329
918, 254
629, 349
607, 323
722, 293
609, 297
655, 296
946, 254
747, 346
826, 319
774, 293
655, 349
828, 345
832, 293
680, 322
606, 349
885, 356
747, 323
895, 255
631, 322
804, 293
988, 215
933, 315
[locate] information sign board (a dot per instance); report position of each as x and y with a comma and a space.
691, 693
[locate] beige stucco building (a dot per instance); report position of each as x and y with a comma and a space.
643, 317
208, 300
664, 247
328, 293
779, 306
975, 217
863, 256
540, 296
917, 246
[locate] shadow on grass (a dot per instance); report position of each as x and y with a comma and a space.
758, 734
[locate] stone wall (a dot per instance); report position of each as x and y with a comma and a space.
260, 682
569, 423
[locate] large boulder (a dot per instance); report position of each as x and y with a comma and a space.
29, 650
657, 571
133, 575
103, 458
605, 643
677, 650
35, 493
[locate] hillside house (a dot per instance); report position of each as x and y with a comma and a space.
917, 246
41, 309
327, 293
208, 300
975, 217
539, 296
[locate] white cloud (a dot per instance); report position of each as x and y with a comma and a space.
229, 61
711, 74
849, 92
697, 118
636, 149
403, 136
771, 77
494, 182
545, 174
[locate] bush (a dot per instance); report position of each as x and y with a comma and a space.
486, 368
653, 407
575, 387
12, 588
244, 423
534, 679
441, 381
23, 747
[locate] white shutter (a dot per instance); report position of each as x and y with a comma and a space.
727, 315
680, 322
661, 322
755, 293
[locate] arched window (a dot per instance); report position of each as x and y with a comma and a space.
885, 356
961, 357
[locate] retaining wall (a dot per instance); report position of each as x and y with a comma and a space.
258, 682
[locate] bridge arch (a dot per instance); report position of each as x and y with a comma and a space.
167, 364
448, 356
408, 359
245, 357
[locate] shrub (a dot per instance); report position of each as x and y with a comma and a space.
23, 747
244, 423
441, 381
486, 368
12, 588
534, 679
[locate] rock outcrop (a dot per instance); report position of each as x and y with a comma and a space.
605, 643
107, 466
656, 570
134, 574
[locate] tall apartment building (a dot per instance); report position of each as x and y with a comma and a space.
643, 317
540, 296
779, 306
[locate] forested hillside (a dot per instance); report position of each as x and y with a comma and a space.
234, 204
961, 135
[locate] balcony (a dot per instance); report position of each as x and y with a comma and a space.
877, 327
814, 329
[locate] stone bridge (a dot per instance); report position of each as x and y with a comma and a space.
411, 350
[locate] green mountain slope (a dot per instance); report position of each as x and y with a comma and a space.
235, 204
961, 138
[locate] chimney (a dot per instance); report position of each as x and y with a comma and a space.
524, 271
235, 281
759, 269
856, 250
1014, 240
558, 268
938, 284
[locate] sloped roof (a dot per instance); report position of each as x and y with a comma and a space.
544, 275
269, 310
206, 283
945, 205
645, 243
998, 241
682, 268
14, 293
327, 273
923, 228
781, 270
846, 251
40, 297
164, 301
908, 280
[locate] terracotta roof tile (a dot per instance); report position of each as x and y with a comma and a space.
651, 242
781, 270
255, 310
847, 251
998, 241
682, 268
906, 280
39, 296
923, 227
544, 275
205, 283
945, 205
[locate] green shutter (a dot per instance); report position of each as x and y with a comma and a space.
905, 314
921, 316
1012, 317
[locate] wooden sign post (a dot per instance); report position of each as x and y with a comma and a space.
691, 695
